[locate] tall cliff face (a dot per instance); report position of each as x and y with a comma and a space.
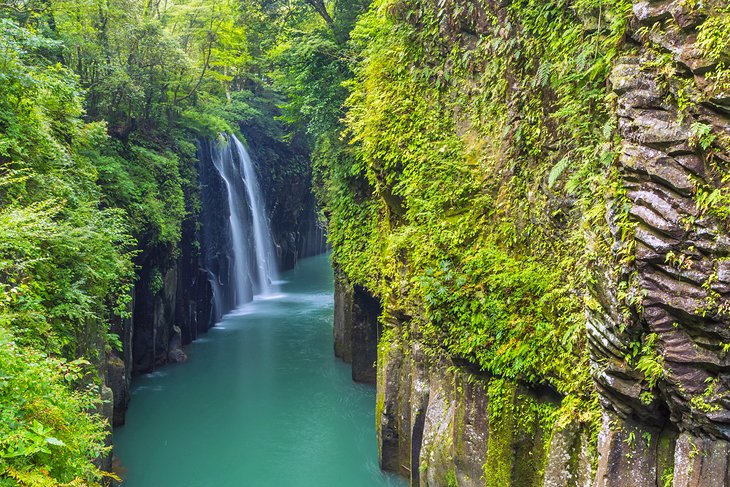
672, 265
548, 186
285, 171
441, 422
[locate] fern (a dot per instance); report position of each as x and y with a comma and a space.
558, 169
543, 73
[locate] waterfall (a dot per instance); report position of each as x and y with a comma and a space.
224, 162
240, 258
265, 262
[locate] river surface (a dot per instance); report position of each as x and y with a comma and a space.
262, 402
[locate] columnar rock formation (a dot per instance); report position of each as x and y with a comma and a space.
675, 287
356, 328
657, 320
436, 425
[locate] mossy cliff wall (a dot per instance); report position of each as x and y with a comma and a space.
663, 303
442, 423
537, 195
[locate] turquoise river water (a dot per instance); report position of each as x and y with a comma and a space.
262, 402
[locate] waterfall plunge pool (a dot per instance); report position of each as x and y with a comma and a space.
262, 402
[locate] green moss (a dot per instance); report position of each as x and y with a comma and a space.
502, 427
520, 427
451, 479
459, 416
384, 346
445, 206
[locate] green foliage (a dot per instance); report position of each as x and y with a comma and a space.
515, 418
465, 206
65, 263
713, 38
156, 282
451, 480
312, 69
65, 270
506, 316
60, 277
649, 361
701, 135
465, 176
707, 402
143, 63
47, 435
101, 103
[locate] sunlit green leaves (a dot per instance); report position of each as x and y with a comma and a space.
47, 436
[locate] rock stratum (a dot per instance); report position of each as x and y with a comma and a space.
653, 306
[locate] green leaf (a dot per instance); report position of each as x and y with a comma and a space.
557, 170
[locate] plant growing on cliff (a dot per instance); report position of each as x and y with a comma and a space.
707, 401
713, 38
472, 225
65, 270
47, 434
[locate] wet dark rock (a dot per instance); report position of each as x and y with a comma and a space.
678, 271
392, 411
105, 409
357, 327
343, 317
176, 353
119, 385
366, 329
649, 12
700, 461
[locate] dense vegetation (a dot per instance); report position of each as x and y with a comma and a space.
101, 104
463, 156
470, 178
467, 181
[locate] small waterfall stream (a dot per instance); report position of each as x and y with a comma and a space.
240, 260
265, 262
223, 160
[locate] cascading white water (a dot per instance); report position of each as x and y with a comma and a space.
265, 261
223, 161
254, 265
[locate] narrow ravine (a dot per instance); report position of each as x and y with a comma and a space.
261, 402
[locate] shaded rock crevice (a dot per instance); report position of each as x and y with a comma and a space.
356, 327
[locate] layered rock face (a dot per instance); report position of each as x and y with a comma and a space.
669, 298
442, 423
659, 336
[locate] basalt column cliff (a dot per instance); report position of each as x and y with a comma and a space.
549, 284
